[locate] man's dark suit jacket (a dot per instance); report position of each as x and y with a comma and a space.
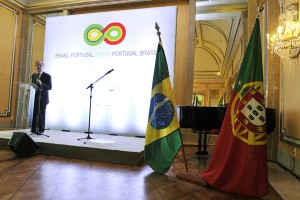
39, 112
46, 86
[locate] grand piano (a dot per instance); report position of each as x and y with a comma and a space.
204, 119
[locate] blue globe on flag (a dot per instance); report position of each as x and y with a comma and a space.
161, 111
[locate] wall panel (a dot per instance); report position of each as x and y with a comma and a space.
37, 46
8, 36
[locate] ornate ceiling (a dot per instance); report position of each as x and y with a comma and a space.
218, 26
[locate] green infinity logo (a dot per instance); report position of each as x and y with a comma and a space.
112, 34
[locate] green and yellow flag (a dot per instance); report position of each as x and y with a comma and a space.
163, 136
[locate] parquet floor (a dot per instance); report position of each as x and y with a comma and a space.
43, 177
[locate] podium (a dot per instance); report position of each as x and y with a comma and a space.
25, 105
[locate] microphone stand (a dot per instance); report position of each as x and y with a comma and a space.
88, 137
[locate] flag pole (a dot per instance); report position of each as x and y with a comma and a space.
260, 9
158, 32
185, 162
192, 178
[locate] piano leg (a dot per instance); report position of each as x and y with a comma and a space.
204, 152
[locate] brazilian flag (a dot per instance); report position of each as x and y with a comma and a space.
163, 136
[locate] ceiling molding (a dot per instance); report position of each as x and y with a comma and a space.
229, 26
37, 7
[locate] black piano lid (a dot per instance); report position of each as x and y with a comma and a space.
208, 118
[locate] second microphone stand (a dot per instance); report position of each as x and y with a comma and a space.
88, 137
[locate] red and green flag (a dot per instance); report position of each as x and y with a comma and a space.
239, 160
163, 136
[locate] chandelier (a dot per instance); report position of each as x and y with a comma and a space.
286, 42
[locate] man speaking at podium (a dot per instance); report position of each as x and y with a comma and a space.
43, 84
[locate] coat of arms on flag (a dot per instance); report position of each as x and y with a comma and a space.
249, 116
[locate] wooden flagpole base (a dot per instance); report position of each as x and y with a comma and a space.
191, 178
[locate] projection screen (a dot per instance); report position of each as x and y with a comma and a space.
81, 50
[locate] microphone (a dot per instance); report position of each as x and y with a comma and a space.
109, 71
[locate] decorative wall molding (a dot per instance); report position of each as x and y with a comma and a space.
8, 68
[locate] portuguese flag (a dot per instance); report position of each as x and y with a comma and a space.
239, 160
163, 136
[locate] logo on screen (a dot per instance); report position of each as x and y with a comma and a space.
112, 34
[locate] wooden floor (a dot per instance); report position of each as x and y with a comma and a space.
43, 177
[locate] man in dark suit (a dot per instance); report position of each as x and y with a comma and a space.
43, 83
